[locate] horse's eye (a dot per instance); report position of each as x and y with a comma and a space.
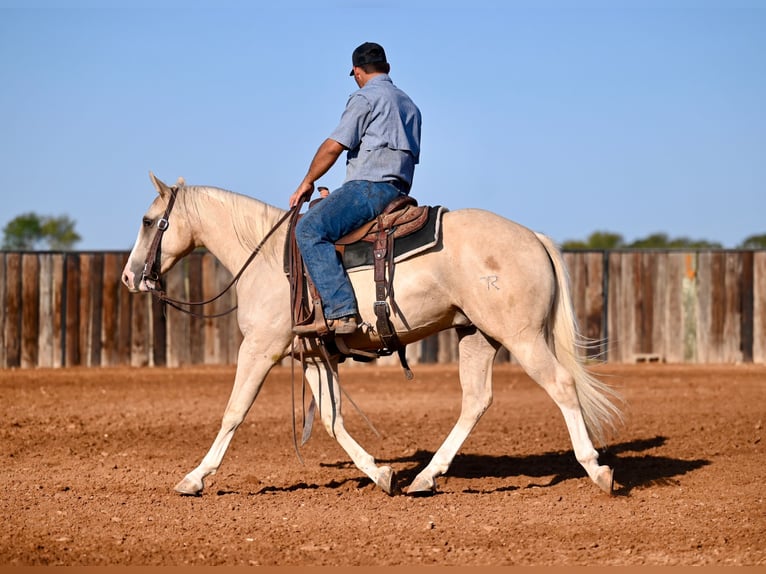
147, 222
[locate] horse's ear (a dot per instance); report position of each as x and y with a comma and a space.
181, 182
161, 188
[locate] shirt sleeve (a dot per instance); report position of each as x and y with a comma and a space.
353, 122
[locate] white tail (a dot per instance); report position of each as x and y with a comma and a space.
598, 401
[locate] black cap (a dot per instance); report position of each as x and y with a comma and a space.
367, 53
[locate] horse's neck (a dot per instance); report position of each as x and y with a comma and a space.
233, 226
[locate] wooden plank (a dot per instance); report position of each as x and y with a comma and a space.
705, 297
72, 352
630, 307
447, 346
644, 309
227, 327
159, 333
141, 335
759, 307
86, 318
690, 307
731, 341
110, 322
58, 312
178, 323
654, 269
429, 348
211, 327
594, 322
45, 342
196, 342
13, 306
30, 309
746, 317
718, 335
124, 315
613, 272
671, 321
232, 337
586, 280
96, 288
576, 267
3, 279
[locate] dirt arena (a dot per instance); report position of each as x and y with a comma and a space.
92, 455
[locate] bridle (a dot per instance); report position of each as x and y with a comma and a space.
151, 271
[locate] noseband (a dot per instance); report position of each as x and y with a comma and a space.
151, 270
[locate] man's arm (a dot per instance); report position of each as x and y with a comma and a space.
325, 157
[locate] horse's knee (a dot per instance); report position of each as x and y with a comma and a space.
476, 404
333, 425
231, 421
485, 401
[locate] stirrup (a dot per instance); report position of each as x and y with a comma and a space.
343, 325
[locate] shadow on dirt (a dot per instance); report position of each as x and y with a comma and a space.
633, 470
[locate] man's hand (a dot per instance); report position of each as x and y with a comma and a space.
323, 160
303, 193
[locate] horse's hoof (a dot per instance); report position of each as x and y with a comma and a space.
605, 479
421, 487
386, 480
189, 487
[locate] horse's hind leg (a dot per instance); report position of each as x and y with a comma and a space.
477, 353
327, 394
541, 365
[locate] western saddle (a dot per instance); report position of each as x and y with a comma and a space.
402, 217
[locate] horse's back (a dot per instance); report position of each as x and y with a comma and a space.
479, 222
500, 243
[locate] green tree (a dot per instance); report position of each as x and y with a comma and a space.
59, 232
30, 231
596, 240
662, 240
754, 242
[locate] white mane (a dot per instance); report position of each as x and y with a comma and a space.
250, 218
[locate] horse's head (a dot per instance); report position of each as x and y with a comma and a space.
164, 238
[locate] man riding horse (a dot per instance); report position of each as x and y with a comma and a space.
380, 130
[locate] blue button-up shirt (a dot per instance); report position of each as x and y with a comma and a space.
381, 129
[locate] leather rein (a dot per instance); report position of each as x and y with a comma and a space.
151, 271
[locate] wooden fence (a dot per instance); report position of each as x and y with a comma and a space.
70, 309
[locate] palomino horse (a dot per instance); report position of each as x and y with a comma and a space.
497, 283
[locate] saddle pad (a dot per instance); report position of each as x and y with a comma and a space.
358, 256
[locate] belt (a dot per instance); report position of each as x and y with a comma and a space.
402, 186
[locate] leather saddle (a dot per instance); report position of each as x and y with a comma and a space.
401, 218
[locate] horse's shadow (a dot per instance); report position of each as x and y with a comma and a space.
633, 470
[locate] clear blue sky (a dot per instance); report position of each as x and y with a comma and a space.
566, 116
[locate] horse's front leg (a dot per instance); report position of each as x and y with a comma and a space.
327, 394
252, 369
477, 353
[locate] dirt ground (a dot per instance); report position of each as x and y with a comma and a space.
91, 457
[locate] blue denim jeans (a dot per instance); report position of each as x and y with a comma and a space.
345, 209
